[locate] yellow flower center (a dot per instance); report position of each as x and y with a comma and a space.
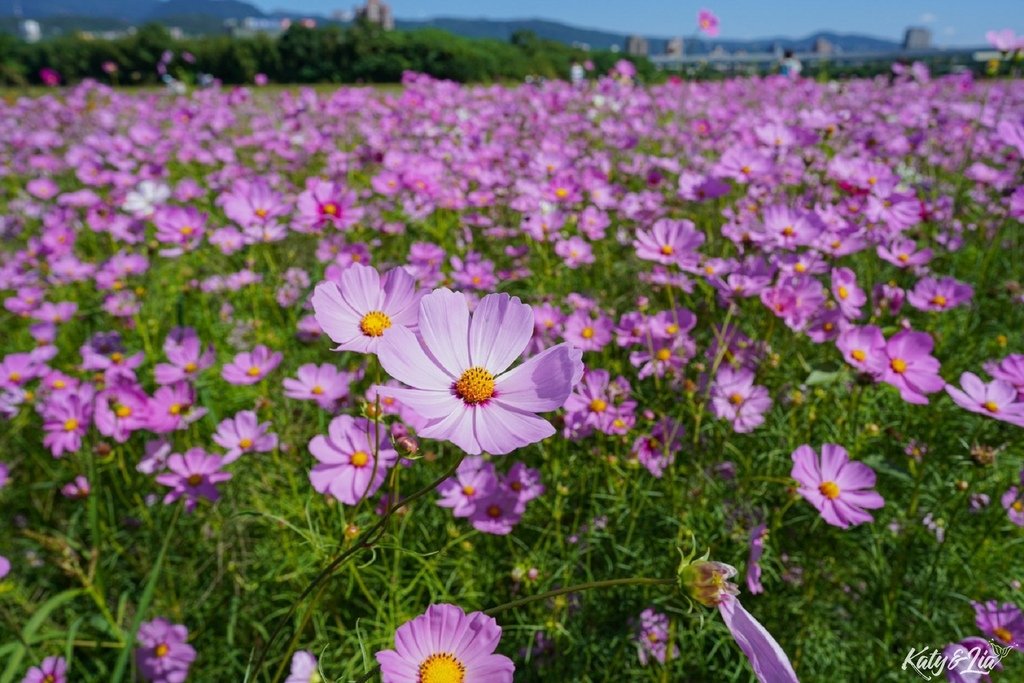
667, 249
70, 424
939, 300
829, 489
122, 411
59, 384
745, 170
1003, 634
194, 479
330, 208
561, 193
442, 667
359, 459
317, 390
245, 443
191, 367
799, 267
710, 270
468, 490
991, 406
117, 358
903, 258
14, 376
587, 332
598, 405
475, 386
859, 355
161, 650
663, 354
262, 213
898, 365
374, 323
843, 292
187, 230
1018, 506
253, 371
788, 231
175, 409
736, 399
494, 512
672, 328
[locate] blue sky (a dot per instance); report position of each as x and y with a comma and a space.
953, 22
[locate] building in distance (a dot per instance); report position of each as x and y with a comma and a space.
917, 38
636, 46
376, 12
675, 47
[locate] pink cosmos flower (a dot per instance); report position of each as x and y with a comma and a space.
903, 253
446, 644
193, 475
1004, 622
347, 469
575, 251
930, 294
164, 655
757, 540
996, 399
862, 347
971, 660
474, 480
67, 417
244, 433
839, 489
121, 410
324, 383
499, 512
652, 638
908, 365
76, 489
459, 375
735, 397
1013, 502
586, 332
5, 566
324, 203
180, 226
303, 668
186, 354
707, 22
848, 295
251, 367
669, 241
51, 670
358, 310
768, 659
1009, 369
173, 407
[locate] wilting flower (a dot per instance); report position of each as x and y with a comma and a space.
356, 311
165, 655
839, 489
250, 367
457, 374
1004, 622
193, 475
347, 468
446, 644
51, 670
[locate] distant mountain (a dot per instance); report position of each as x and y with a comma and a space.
210, 14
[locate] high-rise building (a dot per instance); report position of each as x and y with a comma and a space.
917, 38
636, 46
674, 47
376, 12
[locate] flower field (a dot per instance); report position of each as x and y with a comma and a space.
715, 381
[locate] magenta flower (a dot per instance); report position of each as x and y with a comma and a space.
193, 475
657, 451
474, 480
186, 354
51, 670
121, 410
1013, 502
971, 660
67, 417
5, 567
848, 295
459, 375
736, 398
356, 311
181, 227
446, 644
76, 489
707, 22
323, 383
670, 241
862, 347
587, 333
769, 661
908, 365
164, 655
347, 469
930, 294
996, 399
1004, 622
1009, 369
575, 252
250, 367
173, 407
498, 513
244, 433
324, 203
903, 253
839, 489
